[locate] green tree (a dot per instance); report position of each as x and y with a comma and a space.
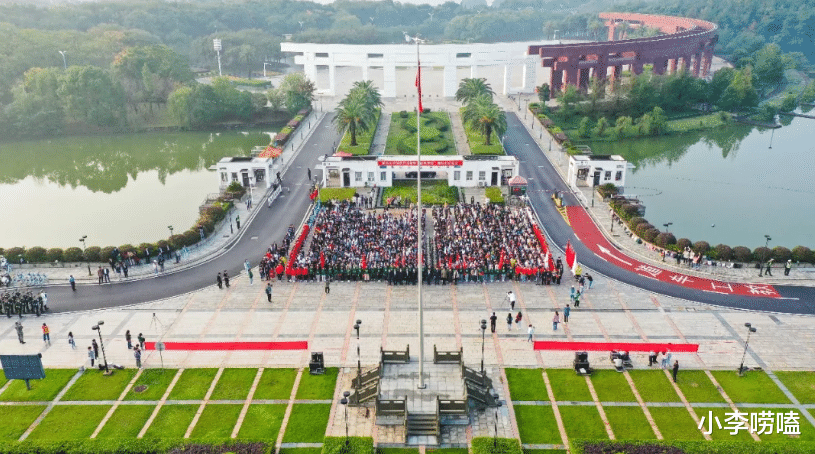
584, 130
600, 128
768, 67
789, 103
485, 116
178, 106
622, 125
597, 90
92, 96
471, 88
740, 93
543, 92
721, 80
659, 124
276, 98
369, 93
354, 114
150, 73
568, 99
298, 90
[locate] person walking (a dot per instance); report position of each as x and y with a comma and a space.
246, 265
129, 340
91, 355
509, 321
666, 359
518, 319
219, 281
511, 298
137, 355
226, 279
249, 272
269, 291
768, 272
577, 299
566, 312
530, 332
46, 334
555, 321
309, 174
106, 275
787, 267
141, 340
327, 287
71, 341
19, 327
571, 293
238, 221
675, 369
72, 281
493, 321
590, 279
100, 274
95, 348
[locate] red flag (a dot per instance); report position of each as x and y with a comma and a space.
419, 84
571, 257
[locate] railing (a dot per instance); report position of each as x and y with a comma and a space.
475, 377
395, 356
363, 395
447, 357
367, 377
451, 406
391, 407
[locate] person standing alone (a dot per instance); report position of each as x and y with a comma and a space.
19, 327
137, 355
555, 321
269, 291
46, 334
493, 321
675, 369
566, 312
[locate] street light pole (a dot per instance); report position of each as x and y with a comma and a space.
65, 66
344, 402
171, 231
750, 330
667, 225
764, 255
359, 357
483, 332
495, 438
82, 240
98, 328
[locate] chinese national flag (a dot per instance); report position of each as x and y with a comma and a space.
419, 84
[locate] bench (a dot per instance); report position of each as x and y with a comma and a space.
395, 356
447, 357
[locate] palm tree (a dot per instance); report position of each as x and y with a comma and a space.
355, 114
369, 91
471, 88
485, 116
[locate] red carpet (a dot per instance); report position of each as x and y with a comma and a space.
211, 346
620, 346
590, 236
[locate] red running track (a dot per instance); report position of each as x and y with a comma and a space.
619, 346
592, 238
218, 346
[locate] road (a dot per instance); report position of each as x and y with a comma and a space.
543, 179
268, 226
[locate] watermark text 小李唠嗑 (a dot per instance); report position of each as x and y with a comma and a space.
761, 423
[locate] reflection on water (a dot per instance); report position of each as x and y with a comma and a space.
726, 185
116, 189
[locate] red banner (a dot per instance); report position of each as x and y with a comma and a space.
434, 163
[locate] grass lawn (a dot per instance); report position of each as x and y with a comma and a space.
536, 424
156, 382
234, 384
722, 434
17, 419
172, 421
806, 429
300, 450
526, 384
318, 387
447, 451
753, 387
217, 421
801, 384
41, 390
327, 194
675, 423
193, 384
69, 422
696, 387
307, 423
396, 451
276, 384
262, 422
437, 135
127, 421
629, 423
433, 192
364, 139
568, 386
477, 146
582, 422
654, 386
544, 451
611, 386
94, 385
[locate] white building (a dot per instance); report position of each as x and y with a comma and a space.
461, 171
248, 171
449, 57
596, 170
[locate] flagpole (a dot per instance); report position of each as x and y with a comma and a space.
419, 269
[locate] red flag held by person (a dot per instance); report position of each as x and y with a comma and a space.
419, 84
571, 257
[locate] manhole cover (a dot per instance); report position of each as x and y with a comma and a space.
140, 389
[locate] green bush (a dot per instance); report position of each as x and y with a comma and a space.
327, 194
356, 445
35, 254
494, 194
682, 243
665, 239
762, 253
489, 445
136, 446
91, 254
742, 254
54, 254
635, 221
723, 252
650, 234
403, 114
802, 254
701, 247
13, 254
190, 237
690, 447
126, 248
781, 254
642, 228
106, 253
72, 254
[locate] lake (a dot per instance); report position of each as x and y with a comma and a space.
727, 185
117, 189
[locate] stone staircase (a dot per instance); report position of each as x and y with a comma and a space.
422, 428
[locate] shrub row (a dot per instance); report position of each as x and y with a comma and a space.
690, 447
489, 445
356, 445
667, 240
130, 446
282, 137
494, 194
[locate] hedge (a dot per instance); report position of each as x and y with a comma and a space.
488, 445
494, 194
327, 194
690, 447
131, 446
356, 445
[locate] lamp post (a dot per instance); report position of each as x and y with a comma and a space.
750, 330
483, 332
344, 402
82, 240
357, 325
65, 66
495, 438
667, 224
98, 328
216, 44
264, 68
171, 230
764, 255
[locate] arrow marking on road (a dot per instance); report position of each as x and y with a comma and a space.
607, 252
